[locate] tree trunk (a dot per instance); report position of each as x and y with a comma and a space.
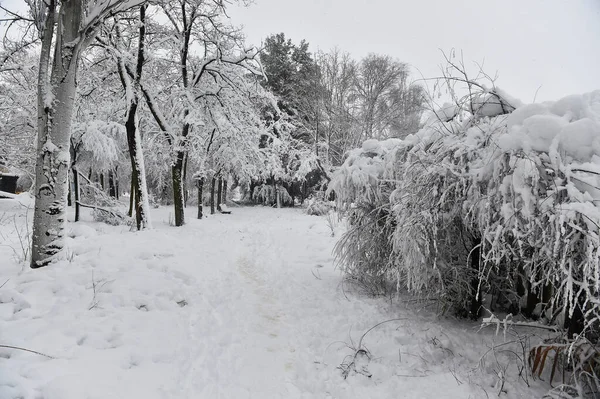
178, 167
274, 184
224, 192
76, 192
131, 195
70, 193
177, 176
219, 194
139, 190
116, 176
55, 110
212, 195
112, 190
253, 185
278, 194
185, 189
139, 193
200, 189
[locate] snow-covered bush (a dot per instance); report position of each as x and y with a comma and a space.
502, 203
266, 194
365, 252
317, 206
111, 217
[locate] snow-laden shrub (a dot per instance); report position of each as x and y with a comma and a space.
111, 217
318, 207
493, 203
266, 194
364, 252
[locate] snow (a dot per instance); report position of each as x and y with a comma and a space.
574, 122
247, 305
446, 113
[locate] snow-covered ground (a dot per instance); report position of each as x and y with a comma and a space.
247, 305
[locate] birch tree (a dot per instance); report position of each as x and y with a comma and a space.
65, 28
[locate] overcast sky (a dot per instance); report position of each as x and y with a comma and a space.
554, 44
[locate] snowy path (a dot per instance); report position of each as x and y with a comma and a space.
226, 307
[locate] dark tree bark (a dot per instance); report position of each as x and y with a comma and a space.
112, 190
200, 189
253, 185
177, 176
76, 192
131, 195
212, 195
70, 194
185, 188
117, 181
275, 193
224, 192
138, 180
136, 201
219, 194
278, 195
178, 167
73, 149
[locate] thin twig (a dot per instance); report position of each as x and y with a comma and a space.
27, 350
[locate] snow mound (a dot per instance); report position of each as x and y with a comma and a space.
570, 126
364, 167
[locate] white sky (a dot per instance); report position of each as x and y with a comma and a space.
554, 44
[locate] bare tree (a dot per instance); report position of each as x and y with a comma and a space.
338, 74
387, 100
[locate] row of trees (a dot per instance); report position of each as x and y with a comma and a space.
338, 102
111, 77
124, 96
